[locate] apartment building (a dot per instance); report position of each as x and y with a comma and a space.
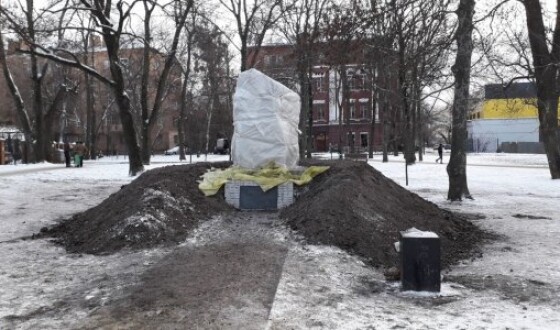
341, 117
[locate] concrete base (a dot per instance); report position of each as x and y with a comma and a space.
247, 195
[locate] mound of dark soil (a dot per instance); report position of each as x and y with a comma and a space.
352, 206
161, 206
356, 208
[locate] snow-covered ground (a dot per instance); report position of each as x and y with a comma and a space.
514, 285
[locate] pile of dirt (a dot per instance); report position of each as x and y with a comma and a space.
161, 206
355, 207
352, 206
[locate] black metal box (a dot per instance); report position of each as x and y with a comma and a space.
420, 253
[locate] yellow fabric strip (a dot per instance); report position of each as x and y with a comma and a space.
266, 177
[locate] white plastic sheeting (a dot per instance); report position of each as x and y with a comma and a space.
265, 120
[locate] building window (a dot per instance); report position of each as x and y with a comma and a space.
273, 60
318, 83
351, 83
364, 108
352, 111
351, 138
267, 60
364, 139
356, 79
320, 111
349, 78
376, 112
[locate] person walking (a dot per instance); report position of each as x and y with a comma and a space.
80, 151
67, 153
440, 153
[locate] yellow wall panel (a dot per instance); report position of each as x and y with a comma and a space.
510, 109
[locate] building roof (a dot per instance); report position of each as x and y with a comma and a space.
514, 91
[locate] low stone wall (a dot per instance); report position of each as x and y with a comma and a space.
522, 147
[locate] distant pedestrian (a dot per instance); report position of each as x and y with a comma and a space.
80, 151
440, 153
67, 153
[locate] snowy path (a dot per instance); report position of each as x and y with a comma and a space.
224, 277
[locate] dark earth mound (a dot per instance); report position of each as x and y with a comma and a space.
352, 206
356, 208
161, 206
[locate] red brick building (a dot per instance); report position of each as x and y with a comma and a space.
340, 116
72, 121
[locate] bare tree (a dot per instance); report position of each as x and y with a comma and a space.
212, 62
457, 167
151, 110
421, 34
382, 64
110, 19
345, 30
36, 120
302, 26
546, 61
88, 49
253, 19
21, 110
185, 59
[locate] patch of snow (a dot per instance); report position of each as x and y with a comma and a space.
447, 290
169, 201
417, 233
145, 220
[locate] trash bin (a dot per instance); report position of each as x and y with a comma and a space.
420, 253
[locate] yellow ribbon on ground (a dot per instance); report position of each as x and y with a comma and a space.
266, 177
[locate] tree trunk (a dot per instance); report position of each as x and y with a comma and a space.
408, 132
340, 111
146, 70
545, 64
309, 139
209, 118
145, 149
346, 108
419, 141
135, 160
304, 106
38, 126
244, 53
49, 119
36, 77
385, 138
123, 101
372, 127
457, 167
91, 132
182, 119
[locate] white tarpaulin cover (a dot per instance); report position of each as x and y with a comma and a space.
265, 120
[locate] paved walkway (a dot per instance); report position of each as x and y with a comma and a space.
22, 169
226, 279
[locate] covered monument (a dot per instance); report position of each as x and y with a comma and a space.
265, 120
